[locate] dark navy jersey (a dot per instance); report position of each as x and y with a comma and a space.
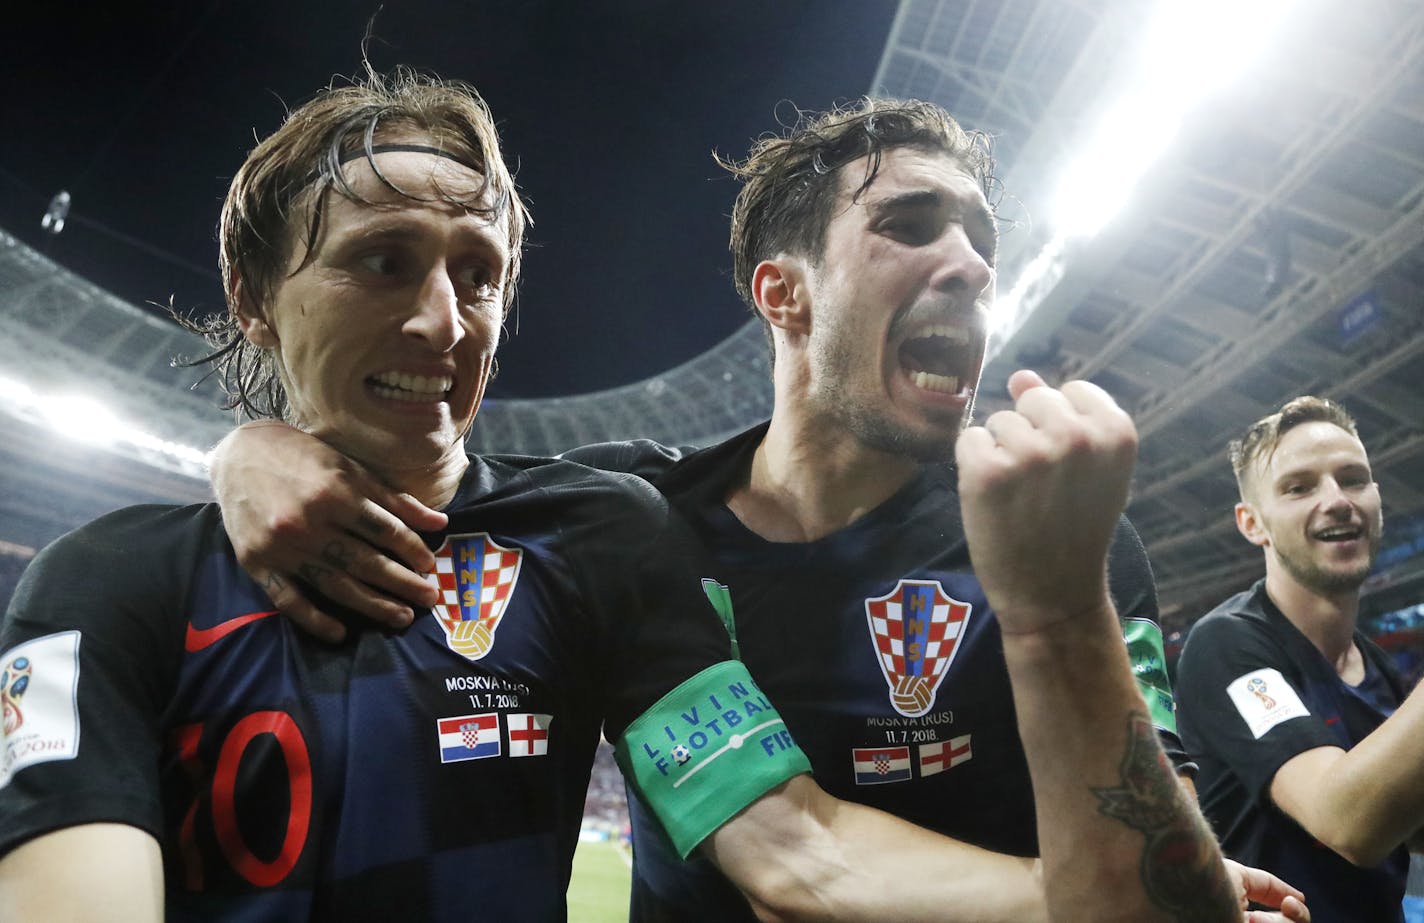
436, 773
878, 647
1254, 693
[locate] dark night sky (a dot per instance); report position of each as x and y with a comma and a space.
609, 110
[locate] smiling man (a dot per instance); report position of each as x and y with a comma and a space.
1310, 753
992, 702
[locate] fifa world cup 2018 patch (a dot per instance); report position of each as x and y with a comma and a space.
1264, 699
1149, 666
39, 699
706, 750
476, 577
916, 629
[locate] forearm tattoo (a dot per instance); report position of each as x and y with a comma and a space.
1181, 872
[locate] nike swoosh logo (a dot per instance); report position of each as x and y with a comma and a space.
199, 638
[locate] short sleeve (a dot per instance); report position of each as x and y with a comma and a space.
86, 657
1240, 705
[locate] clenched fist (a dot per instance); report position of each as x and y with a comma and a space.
1041, 488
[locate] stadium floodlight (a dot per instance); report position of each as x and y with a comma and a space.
1192, 50
86, 420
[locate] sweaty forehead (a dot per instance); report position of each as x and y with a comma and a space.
415, 175
908, 169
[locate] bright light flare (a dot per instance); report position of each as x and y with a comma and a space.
86, 420
81, 419
1192, 50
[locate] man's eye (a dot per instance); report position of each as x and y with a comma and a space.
381, 263
477, 277
909, 230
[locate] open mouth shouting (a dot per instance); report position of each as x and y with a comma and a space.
941, 358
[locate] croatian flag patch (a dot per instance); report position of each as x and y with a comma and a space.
468, 737
881, 764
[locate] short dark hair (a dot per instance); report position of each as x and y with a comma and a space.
301, 163
1260, 442
790, 181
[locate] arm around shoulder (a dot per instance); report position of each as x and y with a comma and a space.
94, 873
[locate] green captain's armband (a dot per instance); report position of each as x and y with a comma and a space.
706, 750
1149, 666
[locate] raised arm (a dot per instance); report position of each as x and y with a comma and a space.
94, 873
1041, 488
303, 517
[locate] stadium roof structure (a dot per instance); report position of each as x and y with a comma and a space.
1276, 248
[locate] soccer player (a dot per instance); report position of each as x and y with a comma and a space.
1309, 749
169, 749
993, 704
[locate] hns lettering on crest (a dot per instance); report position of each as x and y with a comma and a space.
916, 630
476, 577
468, 737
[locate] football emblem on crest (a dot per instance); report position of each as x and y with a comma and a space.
680, 754
916, 629
476, 577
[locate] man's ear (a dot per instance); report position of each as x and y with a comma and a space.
782, 295
250, 320
1250, 526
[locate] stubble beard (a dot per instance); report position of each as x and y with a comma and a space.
835, 401
1326, 581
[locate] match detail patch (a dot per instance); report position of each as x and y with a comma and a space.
1264, 699
39, 701
706, 750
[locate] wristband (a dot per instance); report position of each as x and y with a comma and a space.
706, 750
